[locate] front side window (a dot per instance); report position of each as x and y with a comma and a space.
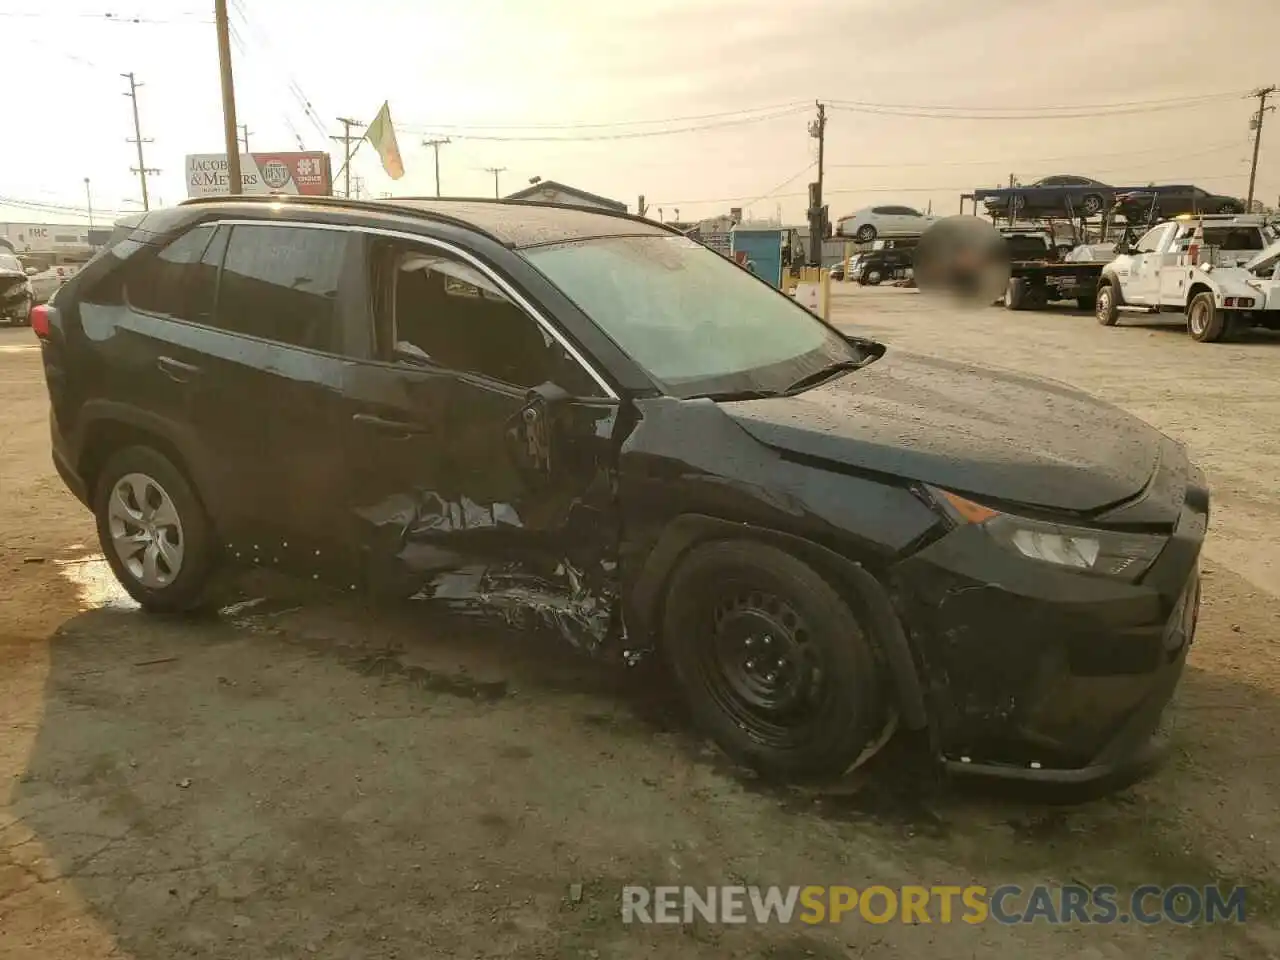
10, 262
281, 283
177, 282
434, 308
694, 322
1153, 239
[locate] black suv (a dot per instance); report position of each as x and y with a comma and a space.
586, 421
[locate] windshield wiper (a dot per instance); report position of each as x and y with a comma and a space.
821, 374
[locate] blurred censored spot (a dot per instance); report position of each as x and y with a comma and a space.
964, 257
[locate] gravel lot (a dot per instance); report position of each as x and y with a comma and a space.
306, 776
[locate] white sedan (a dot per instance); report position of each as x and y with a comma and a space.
888, 221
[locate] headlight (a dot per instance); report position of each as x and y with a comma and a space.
1114, 553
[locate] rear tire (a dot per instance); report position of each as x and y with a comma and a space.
1015, 294
1105, 309
775, 666
154, 531
1205, 322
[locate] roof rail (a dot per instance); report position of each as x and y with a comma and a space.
393, 203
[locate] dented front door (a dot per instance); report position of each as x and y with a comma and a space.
468, 486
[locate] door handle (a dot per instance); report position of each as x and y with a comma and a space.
394, 428
176, 370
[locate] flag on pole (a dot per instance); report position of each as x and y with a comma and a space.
383, 137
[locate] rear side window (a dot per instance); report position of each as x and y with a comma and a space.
177, 282
281, 284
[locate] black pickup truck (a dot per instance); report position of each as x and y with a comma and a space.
886, 260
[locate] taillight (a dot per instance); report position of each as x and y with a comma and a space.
40, 317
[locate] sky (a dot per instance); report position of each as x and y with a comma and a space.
697, 104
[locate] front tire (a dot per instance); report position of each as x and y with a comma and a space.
154, 531
1205, 322
1091, 205
866, 233
775, 666
1105, 308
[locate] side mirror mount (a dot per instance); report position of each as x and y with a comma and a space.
531, 433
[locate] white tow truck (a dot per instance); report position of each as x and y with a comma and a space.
1218, 271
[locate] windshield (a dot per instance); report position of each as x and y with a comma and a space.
9, 262
696, 322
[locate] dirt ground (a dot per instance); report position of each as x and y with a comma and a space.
304, 776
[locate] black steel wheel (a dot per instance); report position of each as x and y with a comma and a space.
775, 666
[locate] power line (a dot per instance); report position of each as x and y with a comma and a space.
291, 82
41, 206
108, 17
635, 135
847, 190
580, 125
1040, 108
1003, 160
1039, 115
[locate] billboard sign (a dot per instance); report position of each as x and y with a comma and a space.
305, 174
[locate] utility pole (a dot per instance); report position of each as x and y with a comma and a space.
817, 211
88, 197
141, 169
435, 146
346, 140
244, 136
1256, 123
495, 171
230, 130
359, 182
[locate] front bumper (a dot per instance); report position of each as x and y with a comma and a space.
1037, 673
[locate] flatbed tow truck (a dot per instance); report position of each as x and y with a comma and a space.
1039, 274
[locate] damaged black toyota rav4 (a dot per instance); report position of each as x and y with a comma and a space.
588, 421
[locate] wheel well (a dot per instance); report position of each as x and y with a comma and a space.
105, 437
1196, 290
850, 579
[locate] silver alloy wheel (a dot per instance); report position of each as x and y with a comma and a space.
1102, 307
146, 530
1199, 318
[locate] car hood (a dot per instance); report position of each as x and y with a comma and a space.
991, 433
